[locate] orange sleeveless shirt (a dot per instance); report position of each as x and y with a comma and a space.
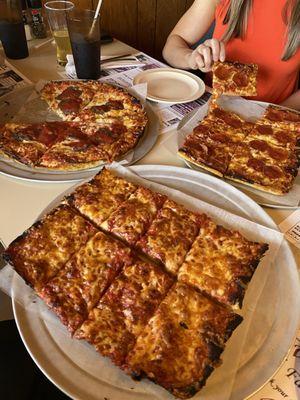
263, 44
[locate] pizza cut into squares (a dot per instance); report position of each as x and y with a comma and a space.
228, 120
234, 78
221, 263
101, 196
43, 249
170, 235
182, 343
123, 312
78, 287
67, 98
284, 119
275, 136
211, 145
262, 166
133, 217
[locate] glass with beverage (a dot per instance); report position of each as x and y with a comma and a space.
84, 31
12, 32
56, 13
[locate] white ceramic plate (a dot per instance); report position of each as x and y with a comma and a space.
19, 171
170, 85
76, 368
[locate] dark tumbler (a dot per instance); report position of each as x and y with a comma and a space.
84, 32
12, 32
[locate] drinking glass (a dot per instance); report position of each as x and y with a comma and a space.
12, 32
56, 13
84, 31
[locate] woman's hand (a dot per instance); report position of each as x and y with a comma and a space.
205, 54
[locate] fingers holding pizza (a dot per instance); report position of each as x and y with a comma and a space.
203, 57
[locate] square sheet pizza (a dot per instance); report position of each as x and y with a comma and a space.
101, 196
234, 78
43, 249
182, 343
123, 312
78, 287
221, 263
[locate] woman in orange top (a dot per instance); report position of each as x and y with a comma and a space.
264, 32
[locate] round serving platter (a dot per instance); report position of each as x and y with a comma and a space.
145, 144
81, 373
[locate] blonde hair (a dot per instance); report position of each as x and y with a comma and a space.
237, 17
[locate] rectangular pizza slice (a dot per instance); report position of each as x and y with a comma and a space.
234, 78
170, 235
274, 135
213, 142
221, 263
133, 217
101, 196
228, 120
43, 249
261, 165
281, 118
78, 287
183, 341
123, 312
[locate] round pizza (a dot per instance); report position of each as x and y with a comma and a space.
100, 124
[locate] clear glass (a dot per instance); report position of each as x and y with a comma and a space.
84, 31
12, 33
56, 14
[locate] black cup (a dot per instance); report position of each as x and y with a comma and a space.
84, 32
12, 32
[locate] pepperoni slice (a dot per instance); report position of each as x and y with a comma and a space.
257, 165
283, 137
227, 118
69, 106
259, 145
265, 129
293, 117
110, 105
277, 154
272, 172
274, 115
69, 93
240, 79
222, 72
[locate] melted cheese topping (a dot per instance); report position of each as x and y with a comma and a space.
123, 312
235, 78
259, 162
170, 235
282, 119
44, 249
221, 263
78, 287
101, 196
182, 342
133, 217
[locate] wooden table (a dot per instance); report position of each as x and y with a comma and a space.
21, 202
